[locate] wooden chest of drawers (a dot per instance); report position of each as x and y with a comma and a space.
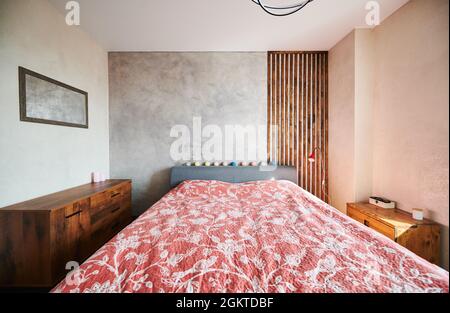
38, 237
420, 237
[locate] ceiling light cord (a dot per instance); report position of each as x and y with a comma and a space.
271, 9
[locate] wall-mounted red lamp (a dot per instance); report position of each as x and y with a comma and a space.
312, 158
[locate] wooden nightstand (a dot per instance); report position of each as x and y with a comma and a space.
421, 237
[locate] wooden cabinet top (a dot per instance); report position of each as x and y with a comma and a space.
393, 217
65, 197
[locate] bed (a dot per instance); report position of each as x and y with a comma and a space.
261, 236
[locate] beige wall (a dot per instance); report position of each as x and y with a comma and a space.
364, 100
398, 110
341, 122
350, 118
411, 110
37, 159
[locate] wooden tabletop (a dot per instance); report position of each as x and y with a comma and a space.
65, 197
395, 217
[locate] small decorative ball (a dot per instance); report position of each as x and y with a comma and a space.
216, 163
253, 163
197, 164
244, 164
225, 164
188, 164
262, 163
233, 163
207, 163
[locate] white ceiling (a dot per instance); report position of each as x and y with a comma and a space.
220, 25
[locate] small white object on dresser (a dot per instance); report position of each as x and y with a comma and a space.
417, 214
96, 177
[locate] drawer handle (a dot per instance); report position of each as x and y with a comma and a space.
115, 194
73, 214
366, 222
115, 209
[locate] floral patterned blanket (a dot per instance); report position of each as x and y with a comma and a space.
267, 236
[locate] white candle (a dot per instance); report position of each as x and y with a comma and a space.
417, 214
96, 178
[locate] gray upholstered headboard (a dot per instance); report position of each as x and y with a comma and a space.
238, 174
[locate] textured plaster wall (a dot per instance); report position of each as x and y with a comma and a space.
411, 110
389, 112
37, 159
364, 98
351, 90
341, 110
151, 92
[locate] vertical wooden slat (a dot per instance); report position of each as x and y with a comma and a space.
324, 104
300, 119
294, 112
326, 128
274, 111
311, 125
314, 121
313, 129
288, 109
269, 106
308, 120
276, 104
298, 107
316, 128
279, 108
305, 121
320, 125
285, 96
303, 141
287, 112
291, 112
307, 125
295, 109
285, 108
272, 107
309, 130
311, 115
283, 89
317, 118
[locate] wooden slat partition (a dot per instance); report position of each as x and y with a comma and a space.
298, 115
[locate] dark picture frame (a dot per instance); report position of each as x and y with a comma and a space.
24, 114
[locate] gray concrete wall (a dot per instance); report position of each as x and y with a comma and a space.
151, 92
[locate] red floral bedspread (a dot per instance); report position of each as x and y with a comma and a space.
269, 236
